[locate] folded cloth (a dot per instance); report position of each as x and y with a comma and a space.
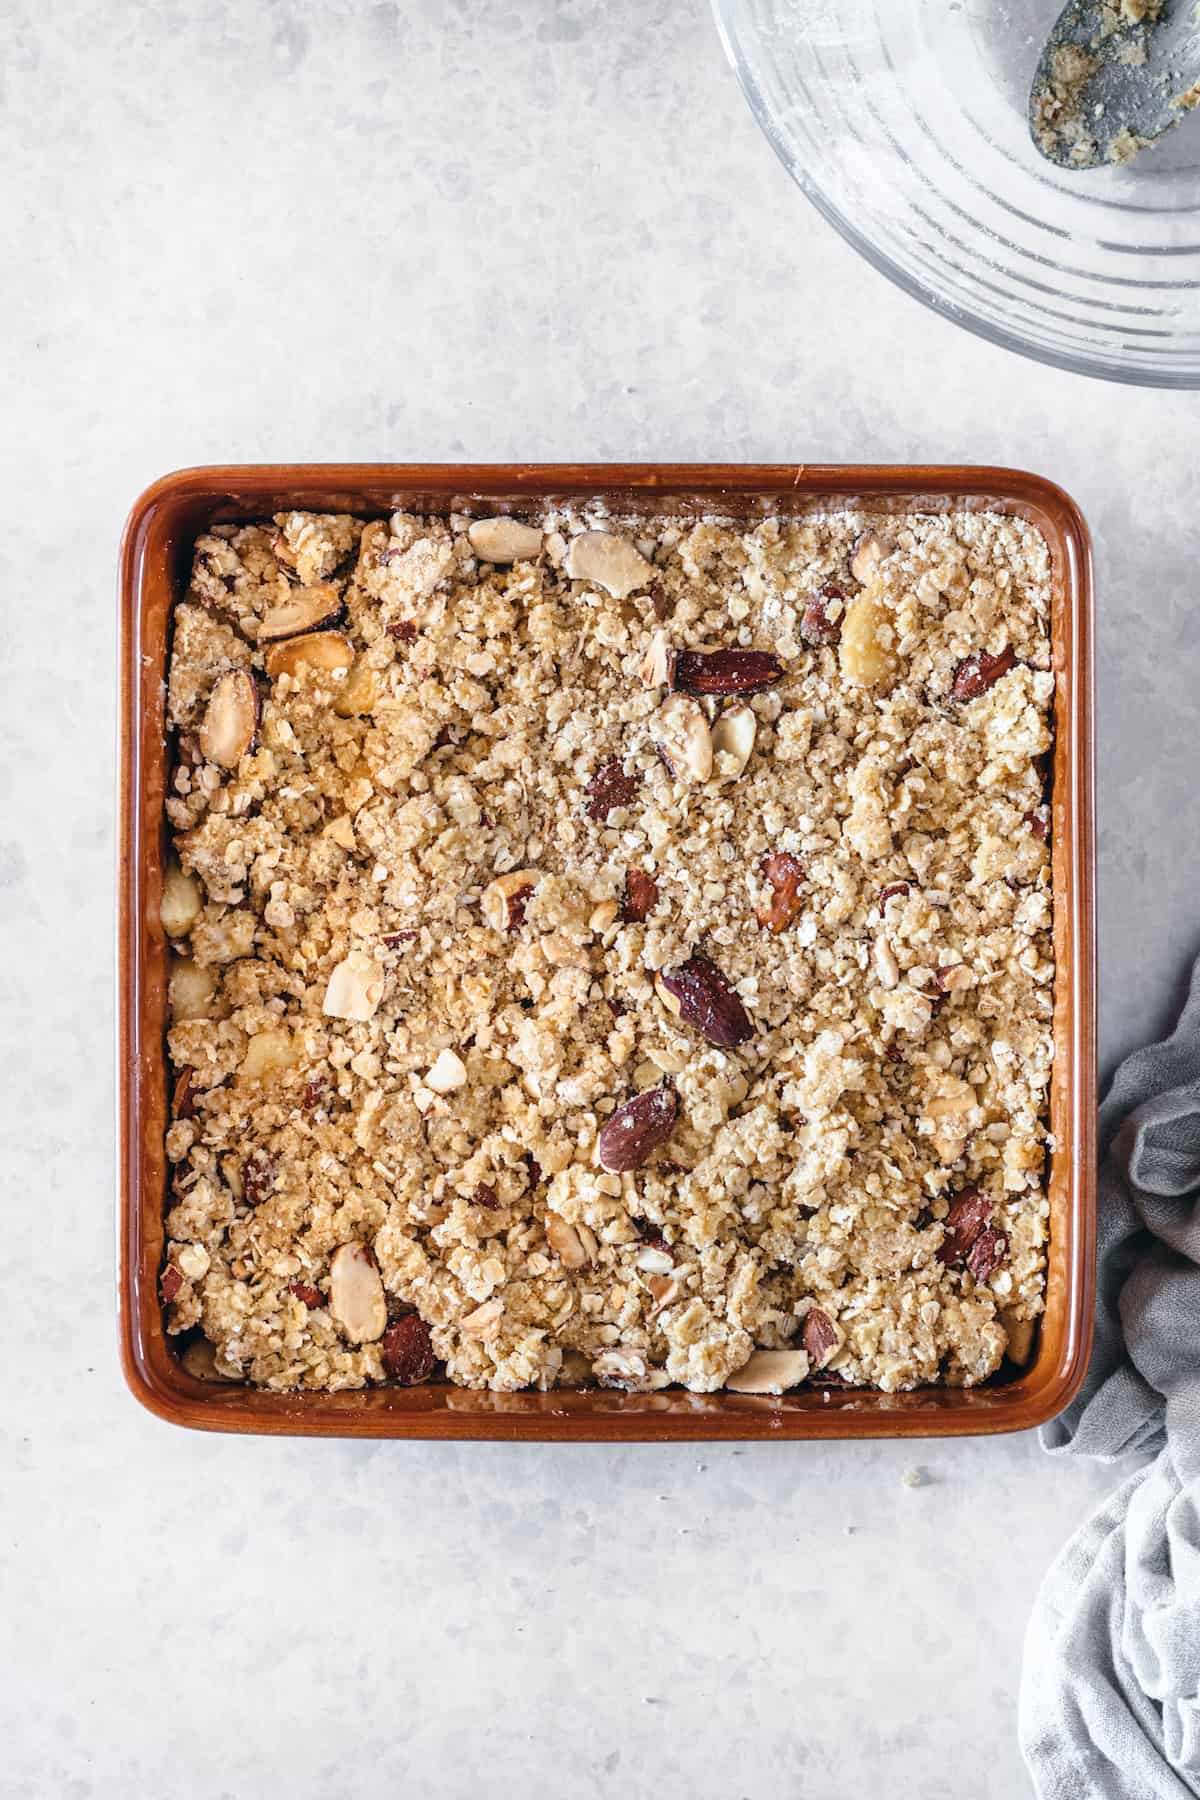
1110, 1690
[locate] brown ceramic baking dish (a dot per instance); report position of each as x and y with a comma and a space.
155, 557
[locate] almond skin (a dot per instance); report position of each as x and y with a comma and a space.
609, 788
784, 873
407, 1351
726, 671
640, 897
636, 1130
699, 994
820, 1336
987, 1253
816, 625
969, 1213
979, 671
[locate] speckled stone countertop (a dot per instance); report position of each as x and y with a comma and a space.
289, 229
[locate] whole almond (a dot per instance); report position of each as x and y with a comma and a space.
726, 671
820, 1336
979, 671
969, 1213
636, 1130
699, 994
407, 1351
640, 897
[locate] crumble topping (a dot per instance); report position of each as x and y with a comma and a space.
610, 950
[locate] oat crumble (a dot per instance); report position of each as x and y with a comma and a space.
610, 950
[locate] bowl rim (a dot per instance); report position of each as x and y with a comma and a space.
1073, 363
160, 526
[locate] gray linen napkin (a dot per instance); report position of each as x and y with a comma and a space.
1110, 1690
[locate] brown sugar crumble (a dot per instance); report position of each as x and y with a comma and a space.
610, 950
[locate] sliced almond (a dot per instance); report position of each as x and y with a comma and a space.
769, 1372
657, 667
190, 990
303, 610
355, 988
181, 901
869, 552
268, 1053
733, 738
865, 658
319, 649
607, 561
484, 1323
665, 1290
504, 540
886, 966
566, 1242
356, 1298
448, 1072
505, 899
230, 719
684, 739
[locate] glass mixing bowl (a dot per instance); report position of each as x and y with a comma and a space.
904, 122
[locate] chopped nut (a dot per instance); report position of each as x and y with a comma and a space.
194, 1261
636, 1130
869, 553
327, 650
641, 896
342, 832
407, 1351
307, 1294
684, 739
733, 738
183, 1104
200, 1361
726, 671
821, 620
886, 966
170, 1284
658, 665
258, 1176
665, 1289
504, 540
785, 875
611, 786
566, 1243
604, 915
181, 902
627, 1370
448, 1072
304, 610
356, 1300
355, 988
890, 893
607, 561
230, 720
769, 1372
505, 899
484, 1323
954, 978
655, 1261
699, 994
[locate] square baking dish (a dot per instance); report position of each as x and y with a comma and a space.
155, 560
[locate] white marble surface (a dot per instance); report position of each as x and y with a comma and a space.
259, 229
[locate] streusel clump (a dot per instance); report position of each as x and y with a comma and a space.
610, 949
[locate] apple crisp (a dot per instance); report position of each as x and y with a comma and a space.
610, 950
